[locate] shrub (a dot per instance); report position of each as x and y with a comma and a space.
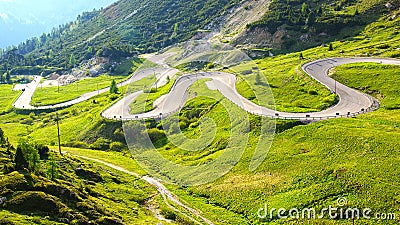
117, 146
155, 134
114, 97
89, 175
313, 92
169, 214
33, 201
43, 151
77, 144
101, 144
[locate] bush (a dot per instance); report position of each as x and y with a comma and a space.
101, 144
77, 144
117, 146
313, 92
169, 214
155, 134
43, 151
114, 97
89, 175
33, 201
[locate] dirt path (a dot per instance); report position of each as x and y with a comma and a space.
165, 193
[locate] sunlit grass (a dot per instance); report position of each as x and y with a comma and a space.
55, 94
7, 97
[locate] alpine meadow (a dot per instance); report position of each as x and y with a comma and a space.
203, 112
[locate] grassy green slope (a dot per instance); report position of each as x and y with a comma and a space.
8, 96
314, 165
54, 95
296, 92
97, 195
381, 81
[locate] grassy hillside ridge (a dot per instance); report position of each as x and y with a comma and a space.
81, 193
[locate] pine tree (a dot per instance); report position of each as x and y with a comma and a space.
52, 168
8, 77
330, 47
20, 160
2, 138
113, 87
27, 157
72, 61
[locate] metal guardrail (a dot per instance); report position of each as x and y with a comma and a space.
374, 106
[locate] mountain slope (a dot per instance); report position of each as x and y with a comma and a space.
122, 29
128, 27
300, 24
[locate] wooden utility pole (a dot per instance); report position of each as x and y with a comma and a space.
58, 132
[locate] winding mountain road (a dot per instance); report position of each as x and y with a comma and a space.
24, 100
351, 102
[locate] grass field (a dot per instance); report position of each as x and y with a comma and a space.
7, 97
314, 165
381, 81
144, 102
52, 95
